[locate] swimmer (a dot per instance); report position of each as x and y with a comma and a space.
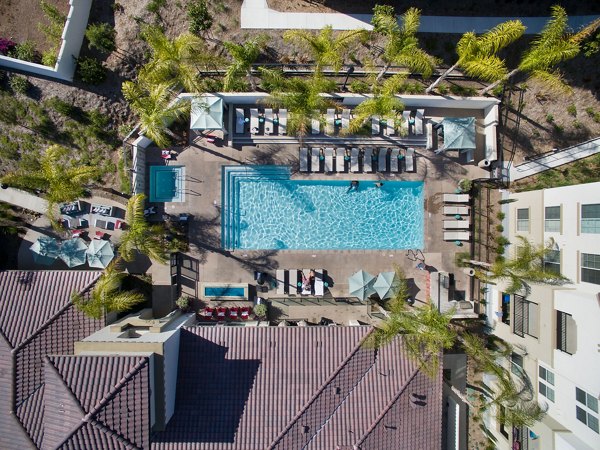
378, 184
353, 185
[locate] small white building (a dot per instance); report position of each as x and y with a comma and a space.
555, 329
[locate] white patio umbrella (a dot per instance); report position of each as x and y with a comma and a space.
72, 252
206, 113
45, 250
99, 254
386, 284
361, 284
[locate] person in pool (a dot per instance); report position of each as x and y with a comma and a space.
353, 186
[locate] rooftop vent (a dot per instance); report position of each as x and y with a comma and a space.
417, 400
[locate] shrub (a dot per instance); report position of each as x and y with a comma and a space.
559, 129
57, 21
24, 51
577, 124
549, 118
501, 241
6, 45
101, 36
359, 87
61, 107
572, 110
499, 228
465, 185
155, 5
49, 57
260, 310
442, 89
200, 18
500, 215
19, 84
462, 90
90, 70
183, 302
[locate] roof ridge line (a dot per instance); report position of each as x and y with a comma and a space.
52, 318
320, 390
104, 429
115, 389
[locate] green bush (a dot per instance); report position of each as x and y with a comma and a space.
462, 90
101, 36
501, 241
465, 185
572, 110
9, 148
442, 89
500, 215
19, 84
549, 118
24, 51
499, 228
359, 87
90, 70
260, 310
155, 5
49, 57
200, 18
183, 302
61, 107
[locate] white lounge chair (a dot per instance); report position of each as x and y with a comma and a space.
456, 198
315, 159
306, 288
391, 126
282, 121
419, 117
394, 160
340, 159
454, 210
268, 121
410, 159
281, 281
375, 125
330, 129
457, 224
240, 120
382, 162
406, 121
345, 119
254, 121
457, 235
354, 167
303, 159
292, 281
315, 126
368, 160
329, 159
319, 283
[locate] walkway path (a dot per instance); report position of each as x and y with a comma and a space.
257, 14
555, 159
24, 200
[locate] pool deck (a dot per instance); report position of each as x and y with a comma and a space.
203, 161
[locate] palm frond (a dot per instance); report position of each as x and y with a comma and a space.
500, 36
124, 301
490, 68
411, 20
467, 46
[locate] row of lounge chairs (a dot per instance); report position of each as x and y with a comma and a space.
221, 313
366, 160
457, 205
300, 282
412, 122
266, 122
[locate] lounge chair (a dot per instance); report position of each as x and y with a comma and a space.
345, 119
375, 125
234, 313
456, 198
406, 121
329, 159
244, 313
419, 117
457, 224
354, 167
391, 126
410, 159
315, 159
221, 313
303, 159
330, 129
282, 121
457, 235
319, 283
240, 120
394, 160
454, 210
254, 121
316, 126
382, 162
340, 159
281, 278
306, 287
368, 160
268, 121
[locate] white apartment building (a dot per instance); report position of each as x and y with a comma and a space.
555, 329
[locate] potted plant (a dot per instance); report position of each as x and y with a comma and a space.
183, 303
260, 311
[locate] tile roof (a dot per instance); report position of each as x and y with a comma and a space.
298, 388
36, 319
97, 402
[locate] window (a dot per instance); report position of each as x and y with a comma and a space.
525, 317
590, 268
590, 218
552, 261
546, 383
552, 219
566, 333
506, 308
586, 409
523, 219
517, 364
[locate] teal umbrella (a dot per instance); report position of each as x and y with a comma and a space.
72, 252
45, 250
361, 284
99, 254
386, 285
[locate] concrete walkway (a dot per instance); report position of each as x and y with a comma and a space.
555, 159
256, 14
24, 200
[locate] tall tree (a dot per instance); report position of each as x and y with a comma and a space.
477, 55
243, 56
554, 45
326, 48
402, 46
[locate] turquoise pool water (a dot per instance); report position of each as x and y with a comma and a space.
166, 183
225, 291
325, 215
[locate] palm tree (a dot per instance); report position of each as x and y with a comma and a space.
402, 46
244, 55
477, 54
156, 107
326, 49
526, 266
107, 296
554, 45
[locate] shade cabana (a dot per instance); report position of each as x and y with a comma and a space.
360, 284
206, 113
45, 250
99, 254
72, 252
386, 285
459, 133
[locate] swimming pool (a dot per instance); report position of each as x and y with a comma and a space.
325, 215
166, 183
224, 291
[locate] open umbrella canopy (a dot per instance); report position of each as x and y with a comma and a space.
99, 254
207, 113
386, 284
72, 252
45, 250
459, 133
361, 284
